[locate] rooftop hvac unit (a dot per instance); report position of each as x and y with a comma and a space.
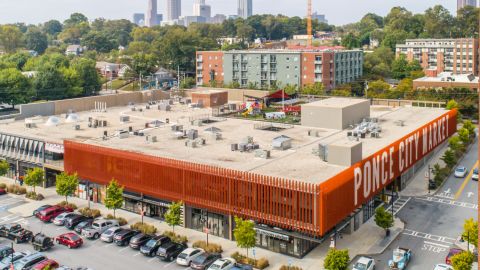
313, 133
191, 143
147, 107
130, 129
260, 153
177, 127
247, 140
152, 139
30, 125
192, 134
323, 152
234, 146
77, 127
123, 134
124, 118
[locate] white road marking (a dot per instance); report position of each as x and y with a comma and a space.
448, 191
436, 244
108, 245
436, 238
433, 247
470, 194
168, 264
445, 195
150, 260
399, 204
138, 253
123, 249
449, 202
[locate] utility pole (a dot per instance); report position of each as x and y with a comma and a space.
178, 77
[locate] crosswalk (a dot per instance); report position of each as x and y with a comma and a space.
7, 202
13, 219
398, 204
447, 201
430, 237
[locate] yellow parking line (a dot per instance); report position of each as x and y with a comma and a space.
459, 192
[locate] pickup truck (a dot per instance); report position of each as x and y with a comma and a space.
98, 227
16, 233
401, 258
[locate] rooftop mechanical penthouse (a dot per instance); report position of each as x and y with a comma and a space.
299, 183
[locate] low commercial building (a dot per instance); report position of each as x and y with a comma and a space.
458, 56
276, 68
299, 191
447, 80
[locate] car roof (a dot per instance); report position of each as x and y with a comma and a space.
461, 168
69, 234
189, 250
364, 260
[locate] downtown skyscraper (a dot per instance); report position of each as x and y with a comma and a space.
151, 15
174, 9
245, 8
463, 3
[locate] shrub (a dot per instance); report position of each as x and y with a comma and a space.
144, 228
34, 196
3, 185
16, 189
67, 204
122, 221
285, 267
176, 237
211, 248
88, 212
261, 263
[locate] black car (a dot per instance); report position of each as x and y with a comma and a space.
6, 229
170, 251
43, 207
203, 261
239, 266
139, 240
82, 225
122, 238
151, 247
5, 251
72, 221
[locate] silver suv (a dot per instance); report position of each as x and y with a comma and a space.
98, 227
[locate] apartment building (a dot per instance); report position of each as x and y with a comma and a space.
270, 68
459, 56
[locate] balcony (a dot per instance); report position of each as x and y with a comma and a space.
264, 60
199, 75
244, 68
244, 61
273, 70
200, 59
318, 70
273, 60
199, 67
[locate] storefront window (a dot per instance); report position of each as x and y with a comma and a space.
284, 244
214, 222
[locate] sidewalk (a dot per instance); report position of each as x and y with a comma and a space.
367, 240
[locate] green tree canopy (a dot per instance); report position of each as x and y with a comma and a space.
34, 177
383, 218
11, 38
463, 260
173, 217
470, 231
114, 196
336, 259
36, 40
244, 233
4, 167
66, 184
52, 27
15, 88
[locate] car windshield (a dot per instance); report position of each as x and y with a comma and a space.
397, 253
215, 267
182, 256
108, 232
360, 266
74, 237
151, 243
460, 169
475, 171
200, 259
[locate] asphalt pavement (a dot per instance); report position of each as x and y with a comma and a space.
434, 222
94, 254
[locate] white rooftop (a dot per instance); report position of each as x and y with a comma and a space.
450, 77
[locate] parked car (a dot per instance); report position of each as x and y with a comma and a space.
186, 256
41, 242
82, 225
223, 264
475, 175
3, 191
239, 266
460, 172
21, 236
122, 238
5, 251
170, 251
98, 227
139, 240
400, 258
60, 219
47, 215
43, 207
6, 262
451, 253
364, 263
443, 266
107, 236
71, 240
151, 247
72, 221
46, 264
204, 260
29, 261
8, 228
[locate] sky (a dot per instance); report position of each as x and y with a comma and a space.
338, 12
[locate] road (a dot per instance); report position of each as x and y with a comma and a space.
95, 254
432, 223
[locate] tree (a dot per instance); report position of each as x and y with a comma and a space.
34, 177
470, 232
75, 19
449, 158
52, 27
114, 196
455, 144
350, 41
336, 259
452, 104
11, 37
244, 233
313, 89
66, 184
88, 75
383, 219
463, 260
36, 40
15, 88
50, 84
174, 214
468, 125
400, 67
4, 167
98, 41
188, 83
439, 22
464, 136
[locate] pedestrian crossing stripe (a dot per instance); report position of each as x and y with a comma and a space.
449, 202
431, 237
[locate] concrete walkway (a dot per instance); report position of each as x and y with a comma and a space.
368, 239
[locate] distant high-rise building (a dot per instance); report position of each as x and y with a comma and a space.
201, 9
174, 9
151, 15
245, 8
319, 17
218, 18
139, 19
463, 3
197, 4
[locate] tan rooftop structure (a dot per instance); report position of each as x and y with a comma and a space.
193, 134
210, 98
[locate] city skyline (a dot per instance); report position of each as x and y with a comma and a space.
38, 12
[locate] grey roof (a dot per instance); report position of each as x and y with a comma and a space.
282, 138
213, 129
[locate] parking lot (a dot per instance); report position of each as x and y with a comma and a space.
94, 253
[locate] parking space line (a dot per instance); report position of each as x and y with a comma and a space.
467, 179
436, 244
108, 245
151, 260
138, 253
168, 264
121, 250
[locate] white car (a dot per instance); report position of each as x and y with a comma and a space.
187, 256
443, 266
460, 172
475, 175
60, 219
364, 263
223, 264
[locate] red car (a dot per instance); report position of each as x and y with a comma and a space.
47, 215
451, 253
71, 240
3, 191
51, 264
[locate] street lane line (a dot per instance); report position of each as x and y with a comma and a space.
449, 202
436, 244
465, 182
